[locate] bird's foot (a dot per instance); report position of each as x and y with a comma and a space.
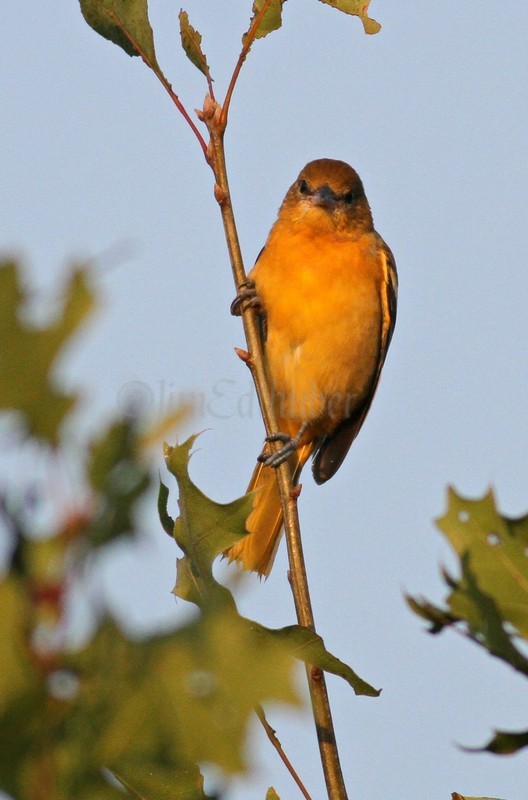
289, 446
247, 297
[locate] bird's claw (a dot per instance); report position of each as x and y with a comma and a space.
247, 297
290, 445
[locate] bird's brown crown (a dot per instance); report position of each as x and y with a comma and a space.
328, 194
337, 175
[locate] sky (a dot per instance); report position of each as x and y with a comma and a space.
97, 164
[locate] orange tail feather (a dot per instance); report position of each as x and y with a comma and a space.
257, 551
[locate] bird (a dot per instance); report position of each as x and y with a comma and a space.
325, 289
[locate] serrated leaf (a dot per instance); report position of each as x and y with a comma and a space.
157, 432
491, 595
485, 620
203, 530
28, 354
192, 43
357, 8
124, 22
495, 549
489, 600
271, 19
309, 647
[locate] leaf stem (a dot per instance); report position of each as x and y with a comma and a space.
215, 118
271, 734
167, 86
246, 46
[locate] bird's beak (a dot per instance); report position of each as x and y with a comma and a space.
324, 197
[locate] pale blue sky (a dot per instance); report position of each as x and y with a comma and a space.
433, 114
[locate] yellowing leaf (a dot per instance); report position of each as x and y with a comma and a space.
271, 19
191, 42
457, 796
358, 8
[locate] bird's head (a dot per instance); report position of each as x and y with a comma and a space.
328, 195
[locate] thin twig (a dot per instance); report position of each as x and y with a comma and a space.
246, 46
167, 86
215, 119
271, 734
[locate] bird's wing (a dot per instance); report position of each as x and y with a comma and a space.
333, 448
262, 318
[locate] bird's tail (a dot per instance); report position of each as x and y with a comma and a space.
256, 552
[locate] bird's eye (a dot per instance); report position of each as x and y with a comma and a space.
350, 197
303, 187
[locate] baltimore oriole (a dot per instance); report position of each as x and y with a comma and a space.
325, 285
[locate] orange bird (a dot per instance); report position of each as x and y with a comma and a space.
325, 285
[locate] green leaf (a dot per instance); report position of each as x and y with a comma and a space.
119, 479
489, 600
191, 42
172, 700
309, 647
213, 677
438, 617
504, 743
357, 8
485, 620
124, 22
166, 520
491, 595
148, 781
204, 528
495, 549
271, 794
28, 354
271, 19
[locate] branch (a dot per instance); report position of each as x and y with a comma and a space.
167, 86
246, 46
270, 733
215, 118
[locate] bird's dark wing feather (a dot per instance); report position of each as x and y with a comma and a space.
262, 319
333, 448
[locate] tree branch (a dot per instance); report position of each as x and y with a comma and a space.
215, 119
271, 734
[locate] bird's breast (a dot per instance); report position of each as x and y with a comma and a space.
322, 302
